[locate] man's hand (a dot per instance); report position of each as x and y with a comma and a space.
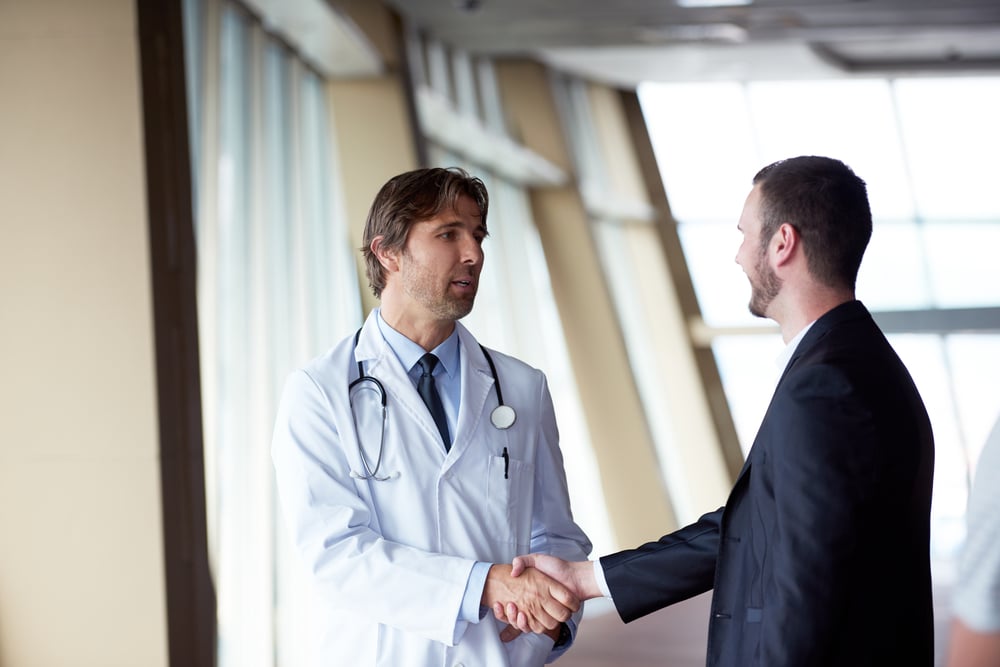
577, 577
542, 603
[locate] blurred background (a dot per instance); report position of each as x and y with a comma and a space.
183, 186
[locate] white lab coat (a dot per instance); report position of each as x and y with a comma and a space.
388, 561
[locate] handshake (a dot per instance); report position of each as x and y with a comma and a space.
537, 593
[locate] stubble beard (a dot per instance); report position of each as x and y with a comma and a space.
766, 288
420, 285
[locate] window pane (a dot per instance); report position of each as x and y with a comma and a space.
962, 263
974, 360
748, 367
952, 140
721, 286
924, 356
893, 273
852, 121
703, 142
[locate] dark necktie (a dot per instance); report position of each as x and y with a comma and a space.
427, 389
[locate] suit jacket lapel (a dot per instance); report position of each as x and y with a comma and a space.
816, 333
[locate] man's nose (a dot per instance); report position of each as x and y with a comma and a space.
472, 252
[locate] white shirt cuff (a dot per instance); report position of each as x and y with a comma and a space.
602, 583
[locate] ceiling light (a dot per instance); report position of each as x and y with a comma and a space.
713, 3
699, 32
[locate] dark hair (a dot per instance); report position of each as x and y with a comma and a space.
827, 204
411, 197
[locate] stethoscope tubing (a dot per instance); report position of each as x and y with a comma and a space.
502, 417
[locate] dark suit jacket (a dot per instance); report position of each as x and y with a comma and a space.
821, 553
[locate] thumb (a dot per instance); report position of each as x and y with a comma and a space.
521, 563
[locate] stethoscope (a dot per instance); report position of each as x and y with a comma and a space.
502, 417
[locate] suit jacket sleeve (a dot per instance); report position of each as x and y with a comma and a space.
674, 568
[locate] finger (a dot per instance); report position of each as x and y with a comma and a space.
558, 612
564, 597
541, 619
518, 618
509, 633
520, 564
522, 622
499, 612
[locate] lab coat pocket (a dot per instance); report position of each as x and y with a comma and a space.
509, 489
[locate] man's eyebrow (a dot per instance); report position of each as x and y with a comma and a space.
448, 225
458, 223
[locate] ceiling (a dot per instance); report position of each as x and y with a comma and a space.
629, 41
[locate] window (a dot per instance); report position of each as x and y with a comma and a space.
276, 285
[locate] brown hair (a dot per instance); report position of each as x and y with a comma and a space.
827, 204
411, 197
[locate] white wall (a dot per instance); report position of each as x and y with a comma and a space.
81, 565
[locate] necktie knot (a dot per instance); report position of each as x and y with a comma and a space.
427, 363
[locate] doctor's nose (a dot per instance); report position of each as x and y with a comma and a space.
472, 252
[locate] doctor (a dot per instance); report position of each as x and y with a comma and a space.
405, 487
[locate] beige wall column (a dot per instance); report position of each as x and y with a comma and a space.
81, 551
638, 505
371, 120
685, 428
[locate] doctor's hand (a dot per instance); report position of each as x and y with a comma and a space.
542, 602
577, 576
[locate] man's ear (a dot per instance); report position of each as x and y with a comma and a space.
388, 258
785, 244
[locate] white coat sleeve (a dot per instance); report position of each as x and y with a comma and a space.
351, 566
553, 530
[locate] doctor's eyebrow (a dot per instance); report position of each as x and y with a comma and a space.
458, 224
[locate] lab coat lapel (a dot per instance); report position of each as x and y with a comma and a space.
476, 384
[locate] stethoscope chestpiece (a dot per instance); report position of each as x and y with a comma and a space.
503, 417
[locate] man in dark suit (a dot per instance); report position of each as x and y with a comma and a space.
821, 554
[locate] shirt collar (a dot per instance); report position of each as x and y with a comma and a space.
786, 355
409, 353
